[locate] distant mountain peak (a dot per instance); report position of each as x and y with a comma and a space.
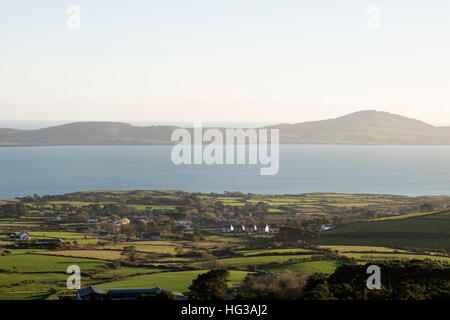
365, 112
95, 124
371, 114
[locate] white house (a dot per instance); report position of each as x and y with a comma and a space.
228, 228
23, 236
325, 227
185, 224
263, 228
122, 222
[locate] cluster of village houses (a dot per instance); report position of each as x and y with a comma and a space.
183, 225
25, 236
262, 228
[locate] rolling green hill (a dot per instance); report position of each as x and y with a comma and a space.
363, 127
430, 231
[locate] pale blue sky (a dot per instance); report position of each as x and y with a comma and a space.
223, 60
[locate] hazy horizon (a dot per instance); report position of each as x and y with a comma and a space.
251, 61
40, 124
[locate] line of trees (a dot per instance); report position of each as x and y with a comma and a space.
400, 280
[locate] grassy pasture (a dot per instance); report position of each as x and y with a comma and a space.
24, 251
33, 291
45, 269
321, 266
177, 281
245, 262
398, 225
426, 243
46, 263
361, 249
442, 215
12, 278
405, 216
145, 248
24, 295
421, 231
272, 251
127, 271
57, 234
92, 254
387, 256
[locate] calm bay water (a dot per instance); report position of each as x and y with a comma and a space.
408, 170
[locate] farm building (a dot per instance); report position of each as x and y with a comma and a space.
263, 228
91, 293
154, 236
133, 294
325, 227
185, 225
128, 294
122, 222
227, 228
23, 236
50, 241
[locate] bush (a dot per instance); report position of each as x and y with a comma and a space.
6, 253
211, 285
274, 286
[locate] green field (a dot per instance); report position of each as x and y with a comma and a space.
248, 262
272, 251
369, 228
176, 281
428, 231
386, 256
46, 263
416, 225
361, 249
425, 243
126, 271
322, 266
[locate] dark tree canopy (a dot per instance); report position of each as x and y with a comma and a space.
211, 285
